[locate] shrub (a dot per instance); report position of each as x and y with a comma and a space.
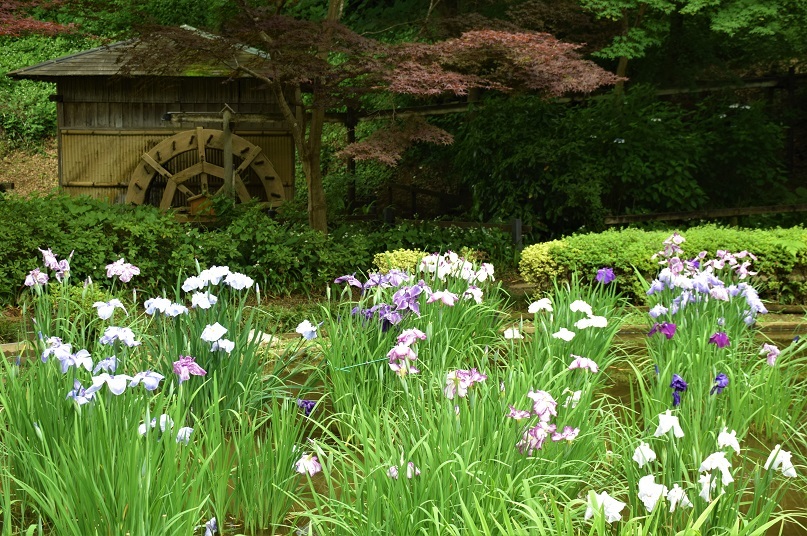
283, 258
399, 259
781, 257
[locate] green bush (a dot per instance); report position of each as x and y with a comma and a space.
781, 254
283, 258
399, 259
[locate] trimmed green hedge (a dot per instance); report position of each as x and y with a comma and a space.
781, 253
282, 258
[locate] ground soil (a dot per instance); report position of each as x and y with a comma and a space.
33, 171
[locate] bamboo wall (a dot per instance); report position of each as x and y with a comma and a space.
105, 126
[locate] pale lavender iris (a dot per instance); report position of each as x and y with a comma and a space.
184, 435
49, 258
36, 277
533, 439
444, 296
56, 348
211, 527
186, 366
580, 362
150, 380
79, 359
110, 364
107, 309
124, 335
224, 345
657, 311
122, 269
117, 384
656, 286
772, 352
307, 330
79, 394
213, 332
411, 336
155, 305
238, 281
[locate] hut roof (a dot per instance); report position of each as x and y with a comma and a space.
106, 60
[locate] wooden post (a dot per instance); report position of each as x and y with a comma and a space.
389, 216
515, 230
226, 119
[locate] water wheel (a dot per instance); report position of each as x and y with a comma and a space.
188, 166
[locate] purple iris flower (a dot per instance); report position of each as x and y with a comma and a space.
721, 382
605, 275
678, 383
407, 298
306, 405
349, 279
665, 328
678, 386
721, 339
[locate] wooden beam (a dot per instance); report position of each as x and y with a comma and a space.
705, 214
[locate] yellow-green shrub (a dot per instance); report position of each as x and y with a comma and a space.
399, 259
539, 264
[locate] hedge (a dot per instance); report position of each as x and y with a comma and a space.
781, 257
282, 258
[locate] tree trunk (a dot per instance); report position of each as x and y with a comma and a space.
312, 167
317, 209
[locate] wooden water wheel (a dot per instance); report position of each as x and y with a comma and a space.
187, 166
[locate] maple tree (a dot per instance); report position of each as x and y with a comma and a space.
16, 19
316, 67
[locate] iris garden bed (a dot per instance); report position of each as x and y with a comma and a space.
425, 410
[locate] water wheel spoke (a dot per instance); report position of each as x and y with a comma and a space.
241, 189
248, 158
168, 195
156, 167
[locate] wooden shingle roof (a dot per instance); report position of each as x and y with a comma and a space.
100, 61
106, 60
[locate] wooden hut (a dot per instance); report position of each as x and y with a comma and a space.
160, 140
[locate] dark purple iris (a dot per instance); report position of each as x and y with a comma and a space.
665, 328
678, 386
306, 405
721, 382
721, 339
605, 275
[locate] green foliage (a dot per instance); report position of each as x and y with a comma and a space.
565, 167
26, 114
282, 258
405, 260
781, 254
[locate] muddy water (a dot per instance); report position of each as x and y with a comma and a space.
632, 341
